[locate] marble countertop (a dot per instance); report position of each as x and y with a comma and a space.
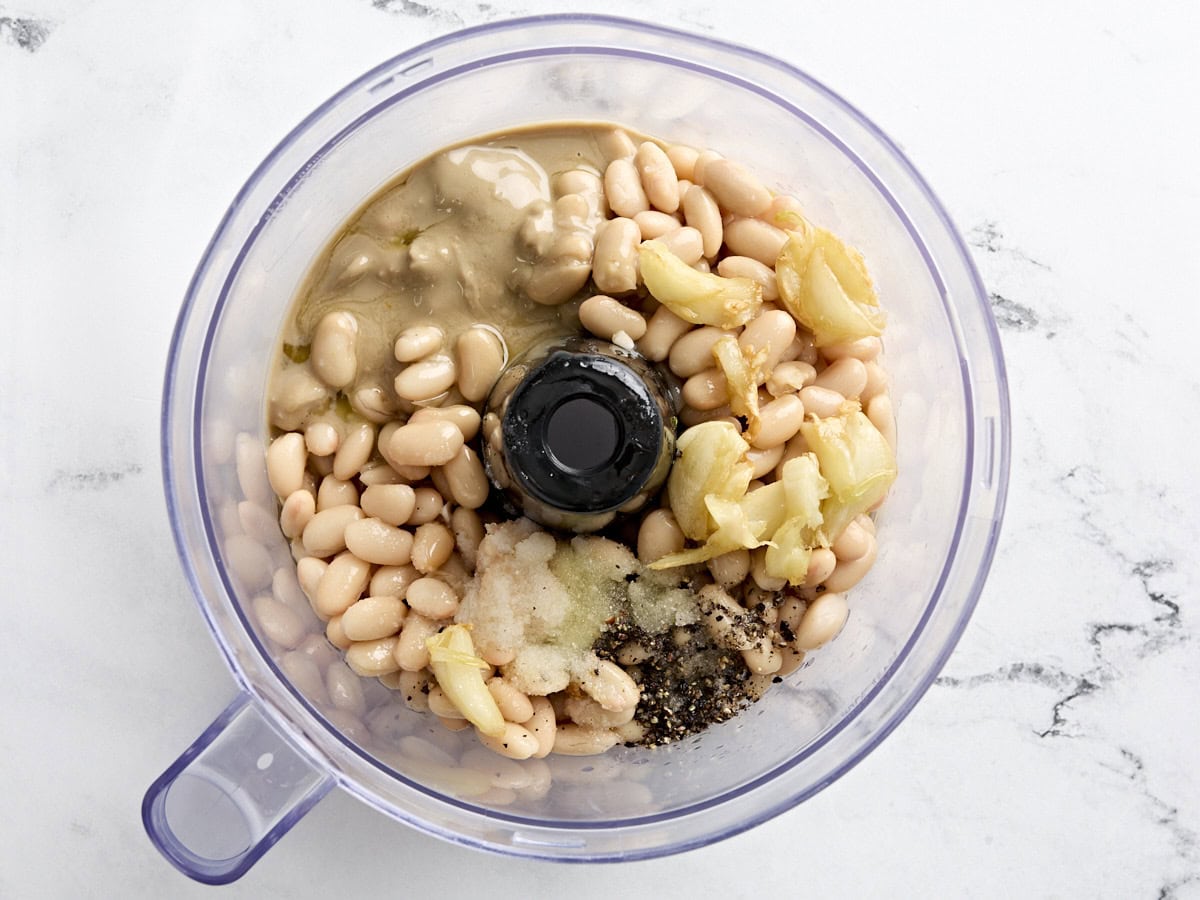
1056, 755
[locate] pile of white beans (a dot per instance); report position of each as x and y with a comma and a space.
383, 511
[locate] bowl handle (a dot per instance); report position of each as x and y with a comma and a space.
233, 793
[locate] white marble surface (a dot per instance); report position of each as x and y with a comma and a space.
1057, 755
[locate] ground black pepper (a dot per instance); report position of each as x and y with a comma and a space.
685, 686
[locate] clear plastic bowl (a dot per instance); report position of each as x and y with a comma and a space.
282, 744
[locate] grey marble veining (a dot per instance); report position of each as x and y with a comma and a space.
27, 33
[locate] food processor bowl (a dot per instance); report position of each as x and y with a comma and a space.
287, 739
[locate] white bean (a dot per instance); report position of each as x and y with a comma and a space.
586, 711
578, 181
686, 243
432, 546
792, 660
392, 581
853, 543
372, 658
558, 278
296, 512
515, 743
778, 422
354, 450
410, 650
342, 584
692, 353
393, 503
318, 649
847, 376
879, 411
345, 690
631, 732
514, 705
737, 189
730, 569
424, 380
616, 144
333, 355
432, 598
542, 725
321, 439
505, 774
286, 458
865, 349
295, 393
468, 533
425, 444
498, 657
721, 615
412, 686
610, 686
251, 469
335, 492
623, 188
877, 382
278, 622
304, 675
691, 417
789, 377
756, 239
257, 522
783, 210
428, 507
763, 659
766, 338
309, 570
758, 572
615, 261
335, 635
481, 355
821, 402
285, 587
700, 164
745, 267
372, 618
764, 460
683, 159
466, 478
706, 390
653, 224
663, 329
324, 535
375, 541
391, 680
820, 565
604, 317
463, 417
438, 476
700, 211
576, 740
373, 403
659, 181
804, 349
418, 342
850, 572
824, 618
441, 705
